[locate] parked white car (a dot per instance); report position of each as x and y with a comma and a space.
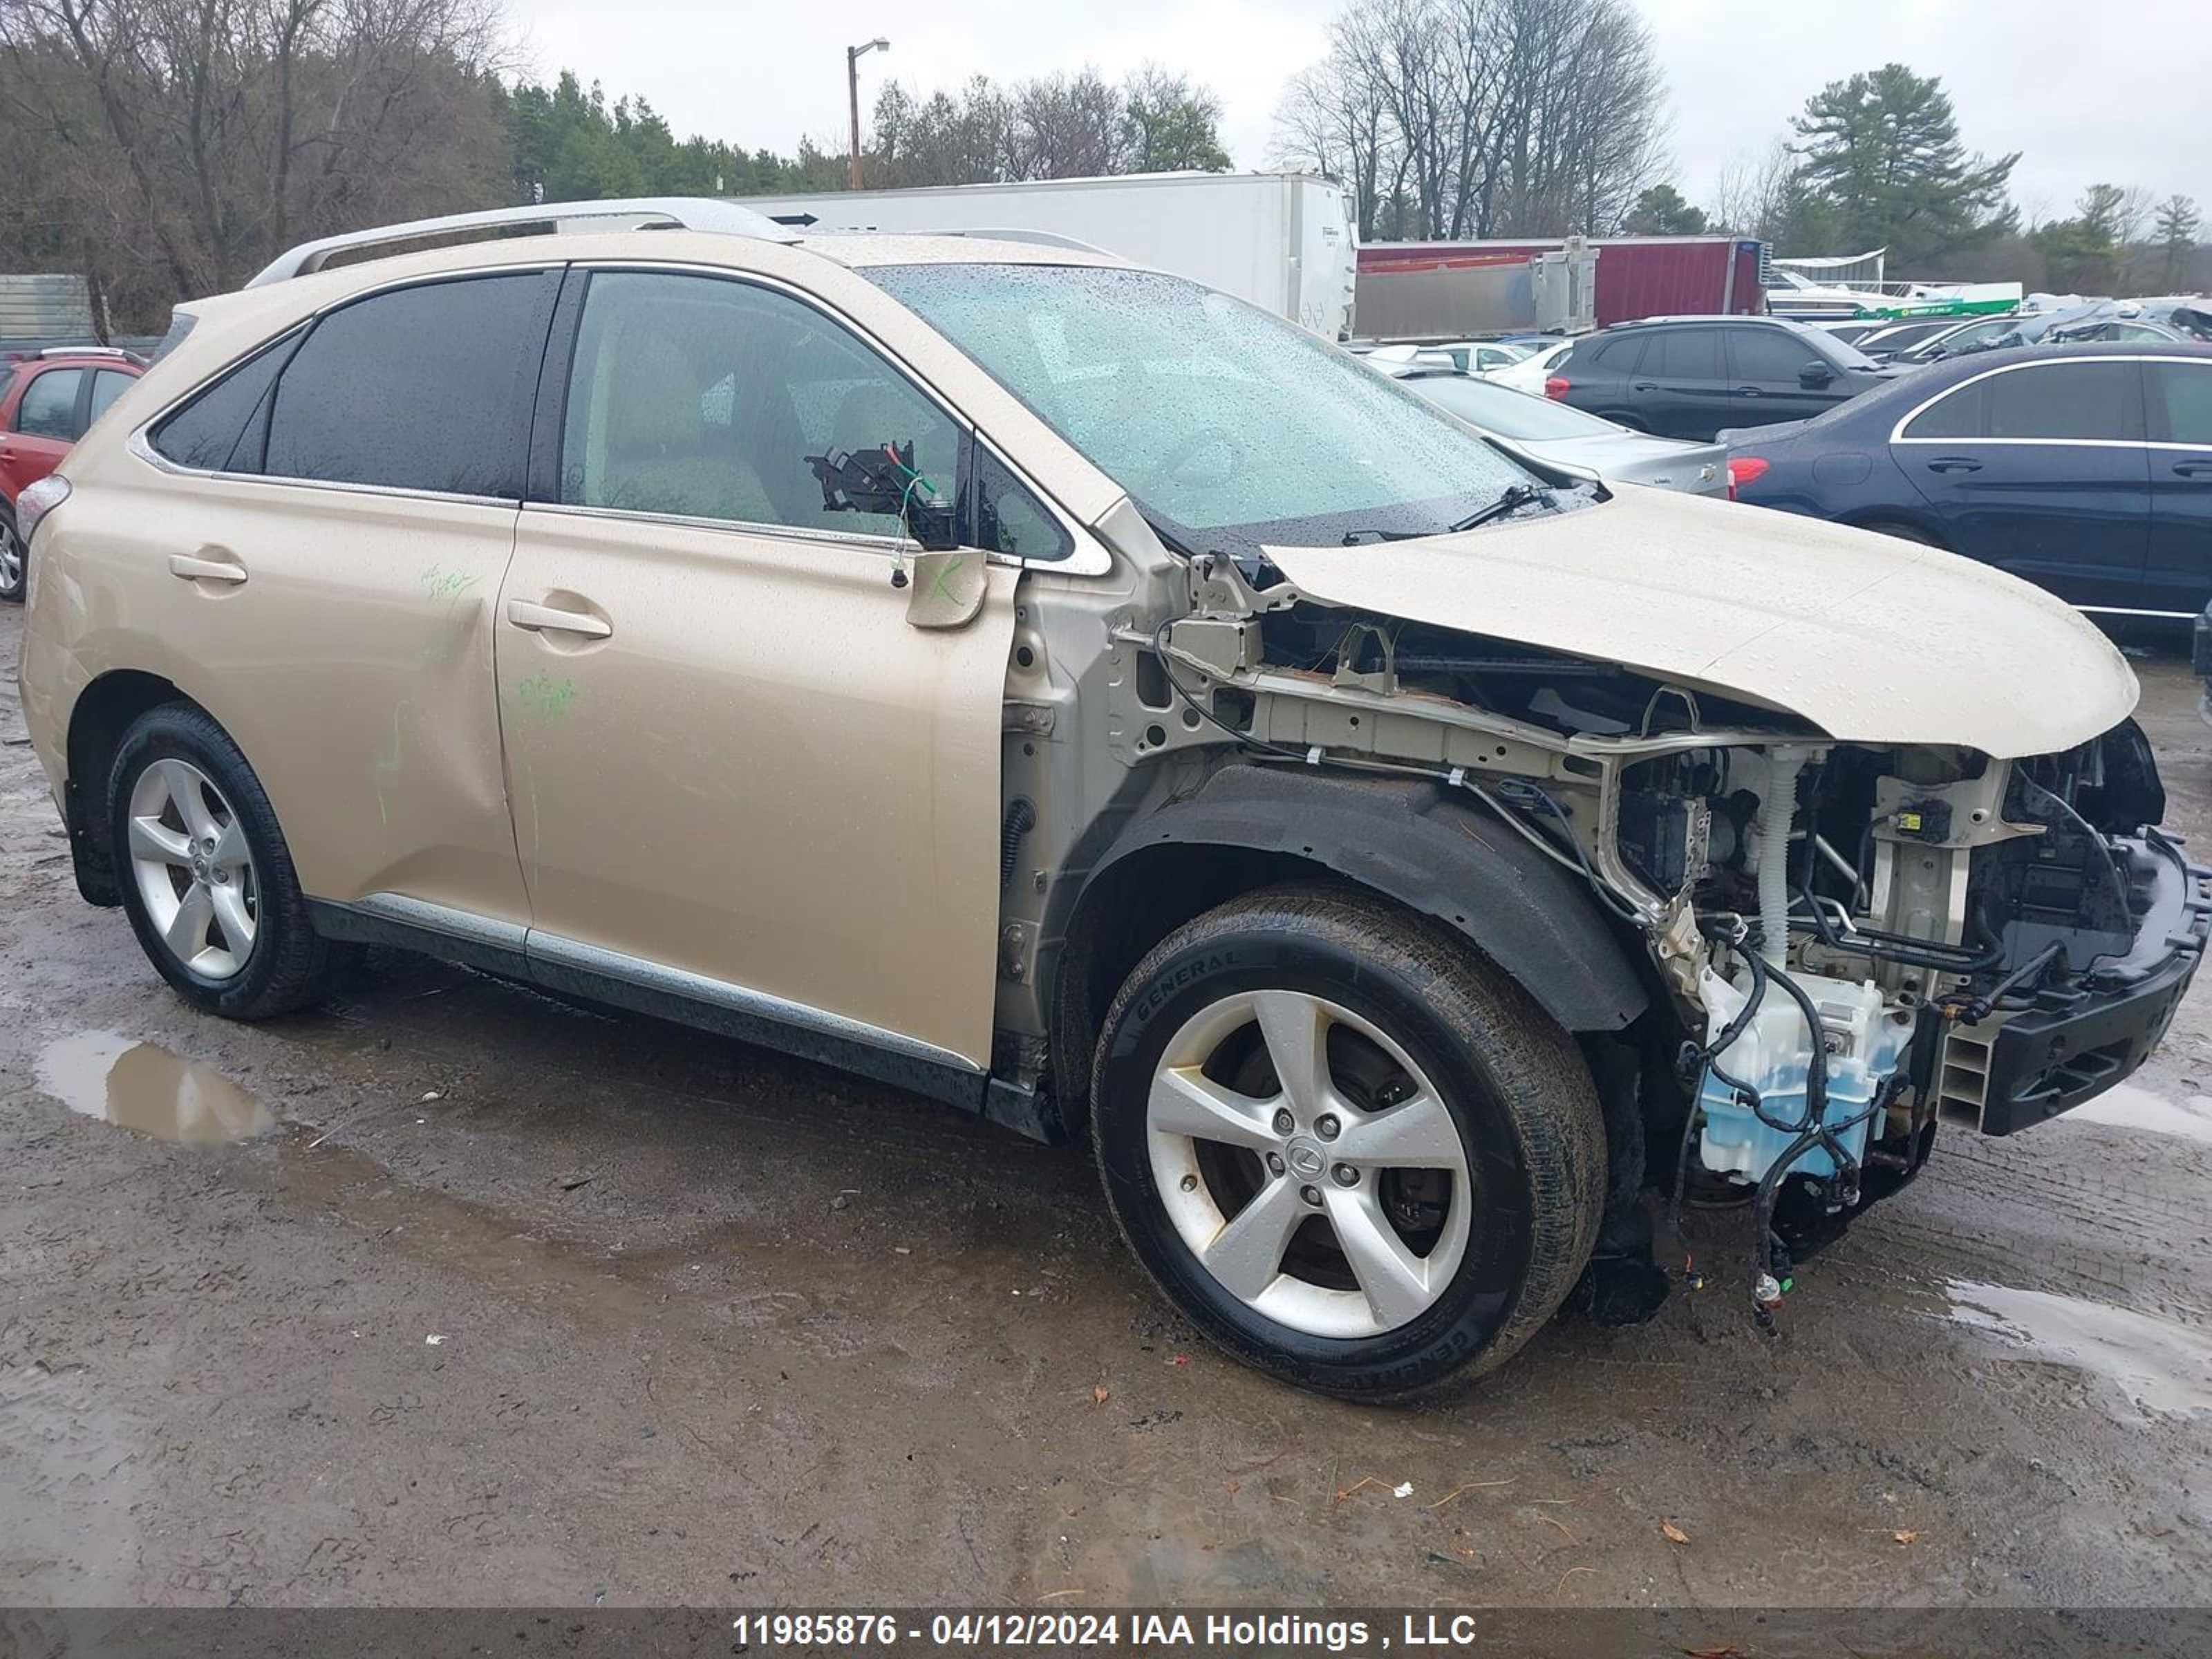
1530, 373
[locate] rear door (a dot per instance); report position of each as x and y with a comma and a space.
740, 773
326, 586
2040, 469
1680, 389
2179, 393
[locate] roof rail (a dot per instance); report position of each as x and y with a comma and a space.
630, 213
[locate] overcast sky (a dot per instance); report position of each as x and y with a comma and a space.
2083, 103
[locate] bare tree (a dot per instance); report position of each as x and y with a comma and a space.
203, 135
1482, 118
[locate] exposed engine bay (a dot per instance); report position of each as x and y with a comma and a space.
1850, 942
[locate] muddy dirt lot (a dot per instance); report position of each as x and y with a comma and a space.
495, 1301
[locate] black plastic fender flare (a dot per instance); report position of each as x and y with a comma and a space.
1411, 841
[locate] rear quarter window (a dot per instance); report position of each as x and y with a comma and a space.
221, 429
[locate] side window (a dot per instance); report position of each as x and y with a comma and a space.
222, 430
1963, 414
712, 399
107, 386
420, 388
2067, 400
2048, 401
1687, 354
2181, 402
1009, 519
1618, 356
1767, 357
49, 406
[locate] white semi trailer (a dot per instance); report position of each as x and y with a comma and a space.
1285, 241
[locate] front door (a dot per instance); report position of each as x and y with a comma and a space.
48, 419
2041, 469
1767, 369
740, 773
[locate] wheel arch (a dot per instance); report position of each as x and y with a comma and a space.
102, 713
1406, 841
1880, 519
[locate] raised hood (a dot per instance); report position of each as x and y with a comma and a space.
1871, 639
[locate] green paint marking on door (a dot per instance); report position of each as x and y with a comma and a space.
547, 697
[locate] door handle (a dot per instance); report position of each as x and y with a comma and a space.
2194, 469
1954, 463
1749, 391
205, 570
1644, 386
523, 613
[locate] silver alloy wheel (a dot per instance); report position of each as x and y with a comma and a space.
11, 558
194, 870
1280, 1193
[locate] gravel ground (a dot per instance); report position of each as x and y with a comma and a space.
506, 1303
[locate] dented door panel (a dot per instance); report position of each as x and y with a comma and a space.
352, 664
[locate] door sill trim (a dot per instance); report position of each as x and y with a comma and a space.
579, 968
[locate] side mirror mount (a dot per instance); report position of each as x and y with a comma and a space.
948, 589
1813, 376
884, 482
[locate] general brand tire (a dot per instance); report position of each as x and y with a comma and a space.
1513, 1082
15, 561
288, 965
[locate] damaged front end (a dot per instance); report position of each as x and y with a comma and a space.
1847, 942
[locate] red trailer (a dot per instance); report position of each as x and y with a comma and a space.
1637, 277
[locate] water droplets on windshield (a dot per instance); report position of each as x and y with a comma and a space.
1231, 425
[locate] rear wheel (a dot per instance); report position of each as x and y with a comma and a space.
207, 879
1355, 1155
13, 558
1904, 532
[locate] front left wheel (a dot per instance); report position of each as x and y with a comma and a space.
14, 561
206, 878
1353, 1152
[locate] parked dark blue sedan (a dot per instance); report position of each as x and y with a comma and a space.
2087, 470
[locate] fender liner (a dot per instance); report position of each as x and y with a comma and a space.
1411, 841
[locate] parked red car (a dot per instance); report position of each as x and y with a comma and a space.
45, 404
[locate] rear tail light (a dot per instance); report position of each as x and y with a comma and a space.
1557, 386
36, 502
1743, 470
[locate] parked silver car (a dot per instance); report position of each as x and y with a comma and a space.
1555, 432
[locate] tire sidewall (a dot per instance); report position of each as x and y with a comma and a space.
1484, 1292
15, 595
179, 733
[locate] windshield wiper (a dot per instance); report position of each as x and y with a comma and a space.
1354, 538
1512, 499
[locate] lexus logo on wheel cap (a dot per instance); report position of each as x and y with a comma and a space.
1305, 1159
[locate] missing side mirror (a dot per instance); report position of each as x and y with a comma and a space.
884, 482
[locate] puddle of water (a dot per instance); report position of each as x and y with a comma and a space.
143, 1086
2160, 1365
2131, 1106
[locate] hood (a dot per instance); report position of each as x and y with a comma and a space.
1870, 638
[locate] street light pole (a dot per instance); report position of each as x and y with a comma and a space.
853, 56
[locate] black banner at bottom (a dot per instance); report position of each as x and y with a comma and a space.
1063, 1632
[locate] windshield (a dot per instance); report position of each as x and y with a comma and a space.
1232, 428
1508, 413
